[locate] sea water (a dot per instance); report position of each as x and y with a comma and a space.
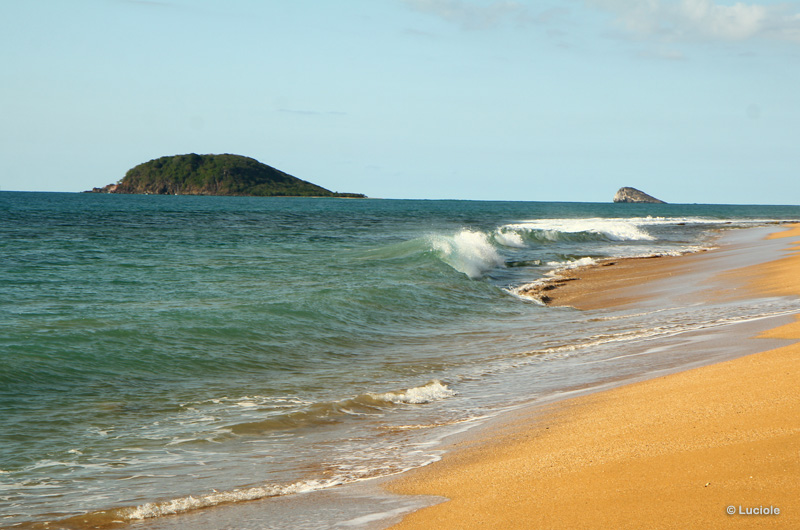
164, 354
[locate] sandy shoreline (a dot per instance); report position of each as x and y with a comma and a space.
606, 283
670, 453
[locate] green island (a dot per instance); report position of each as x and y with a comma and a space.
226, 174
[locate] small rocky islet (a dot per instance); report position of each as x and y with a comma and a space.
628, 194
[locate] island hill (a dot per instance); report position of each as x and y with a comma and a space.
226, 174
628, 194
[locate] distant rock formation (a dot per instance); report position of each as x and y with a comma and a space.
634, 195
226, 174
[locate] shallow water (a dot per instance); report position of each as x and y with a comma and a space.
166, 354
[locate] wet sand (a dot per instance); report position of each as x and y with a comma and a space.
608, 283
675, 452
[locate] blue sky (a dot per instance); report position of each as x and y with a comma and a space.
688, 100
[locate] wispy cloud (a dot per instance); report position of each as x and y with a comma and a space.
482, 15
704, 20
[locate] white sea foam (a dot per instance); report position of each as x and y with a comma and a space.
246, 402
433, 391
190, 503
616, 229
613, 229
557, 267
647, 333
650, 220
509, 238
468, 251
573, 264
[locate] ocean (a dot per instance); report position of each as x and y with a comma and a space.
162, 355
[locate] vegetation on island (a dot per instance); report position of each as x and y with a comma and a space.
226, 174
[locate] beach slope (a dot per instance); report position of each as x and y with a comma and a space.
713, 447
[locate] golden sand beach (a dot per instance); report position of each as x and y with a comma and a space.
708, 448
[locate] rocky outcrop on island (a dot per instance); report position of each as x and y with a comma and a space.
633, 195
226, 174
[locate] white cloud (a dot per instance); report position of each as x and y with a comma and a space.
704, 19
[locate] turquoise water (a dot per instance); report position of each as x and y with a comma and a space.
159, 354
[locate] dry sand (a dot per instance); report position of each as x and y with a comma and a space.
675, 452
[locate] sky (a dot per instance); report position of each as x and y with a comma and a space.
692, 101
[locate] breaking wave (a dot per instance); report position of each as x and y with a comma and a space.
552, 230
477, 253
468, 251
189, 503
433, 391
369, 404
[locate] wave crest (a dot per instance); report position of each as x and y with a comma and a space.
468, 251
582, 229
181, 505
433, 391
369, 404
